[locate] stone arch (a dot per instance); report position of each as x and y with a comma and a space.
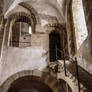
32, 17
73, 85
27, 9
61, 29
32, 11
29, 83
36, 74
44, 77
70, 79
54, 26
22, 17
33, 20
71, 42
18, 16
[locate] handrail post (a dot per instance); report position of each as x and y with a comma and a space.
64, 64
56, 60
77, 73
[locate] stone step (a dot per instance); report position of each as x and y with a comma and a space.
84, 77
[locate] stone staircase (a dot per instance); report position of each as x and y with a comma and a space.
58, 85
84, 77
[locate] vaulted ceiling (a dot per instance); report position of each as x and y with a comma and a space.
54, 8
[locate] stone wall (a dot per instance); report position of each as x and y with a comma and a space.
86, 49
40, 40
80, 28
35, 56
82, 17
19, 59
88, 15
84, 56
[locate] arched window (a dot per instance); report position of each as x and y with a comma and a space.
54, 46
20, 34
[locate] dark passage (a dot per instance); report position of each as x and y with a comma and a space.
54, 44
28, 85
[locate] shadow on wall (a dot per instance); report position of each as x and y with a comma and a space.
88, 15
84, 56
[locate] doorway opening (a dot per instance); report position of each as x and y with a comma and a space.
54, 46
27, 84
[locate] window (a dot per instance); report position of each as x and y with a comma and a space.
20, 35
54, 46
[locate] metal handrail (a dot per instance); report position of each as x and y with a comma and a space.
73, 61
65, 55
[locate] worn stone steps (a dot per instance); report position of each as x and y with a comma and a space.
84, 77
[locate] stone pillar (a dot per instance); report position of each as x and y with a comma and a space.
79, 22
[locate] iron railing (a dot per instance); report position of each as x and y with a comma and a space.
71, 60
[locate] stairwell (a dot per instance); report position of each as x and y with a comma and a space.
84, 77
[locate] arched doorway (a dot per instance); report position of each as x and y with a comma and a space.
28, 84
54, 46
31, 81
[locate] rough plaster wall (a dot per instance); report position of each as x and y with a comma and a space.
88, 14
19, 59
79, 22
83, 35
85, 53
84, 57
